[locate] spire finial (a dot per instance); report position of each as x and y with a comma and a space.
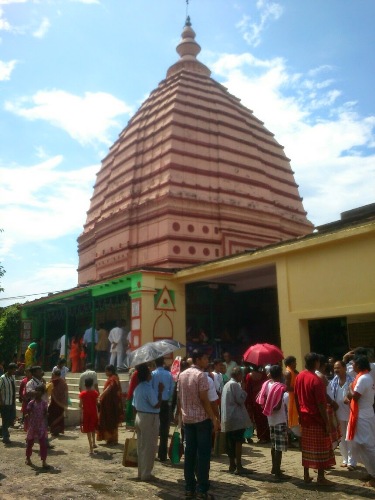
187, 23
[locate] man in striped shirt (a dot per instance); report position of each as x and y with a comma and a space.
8, 400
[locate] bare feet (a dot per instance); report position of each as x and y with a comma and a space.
45, 465
308, 479
28, 461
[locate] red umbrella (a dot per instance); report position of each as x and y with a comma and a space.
263, 354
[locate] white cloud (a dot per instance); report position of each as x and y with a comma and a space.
43, 28
330, 144
39, 282
43, 202
4, 23
87, 119
6, 69
252, 30
7, 2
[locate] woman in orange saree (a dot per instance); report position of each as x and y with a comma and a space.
110, 412
75, 353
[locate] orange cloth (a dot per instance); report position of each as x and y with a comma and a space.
292, 408
76, 349
354, 410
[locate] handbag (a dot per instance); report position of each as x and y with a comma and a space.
176, 448
130, 456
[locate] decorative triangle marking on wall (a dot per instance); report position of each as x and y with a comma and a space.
164, 301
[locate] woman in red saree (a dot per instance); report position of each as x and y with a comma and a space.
253, 384
110, 412
58, 404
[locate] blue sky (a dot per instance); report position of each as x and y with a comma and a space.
73, 72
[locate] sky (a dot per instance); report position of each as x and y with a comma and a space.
73, 72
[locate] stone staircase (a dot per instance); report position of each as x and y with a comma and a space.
72, 415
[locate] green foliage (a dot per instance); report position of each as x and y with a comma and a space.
10, 328
2, 272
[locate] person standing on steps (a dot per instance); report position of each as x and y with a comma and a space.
116, 338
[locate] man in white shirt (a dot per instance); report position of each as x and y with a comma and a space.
63, 345
229, 364
218, 377
118, 349
8, 400
61, 366
358, 351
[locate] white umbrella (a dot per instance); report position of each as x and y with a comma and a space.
153, 350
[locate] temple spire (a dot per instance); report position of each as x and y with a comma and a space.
188, 49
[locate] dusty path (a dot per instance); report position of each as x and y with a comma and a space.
75, 475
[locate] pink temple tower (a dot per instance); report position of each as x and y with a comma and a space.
194, 176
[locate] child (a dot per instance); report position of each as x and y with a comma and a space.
89, 412
271, 398
37, 426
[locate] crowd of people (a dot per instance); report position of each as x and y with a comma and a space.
327, 405
44, 404
99, 346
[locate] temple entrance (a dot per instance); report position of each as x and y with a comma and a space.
329, 336
232, 316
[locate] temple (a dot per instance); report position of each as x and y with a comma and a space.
194, 176
196, 232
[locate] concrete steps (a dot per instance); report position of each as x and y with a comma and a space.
72, 415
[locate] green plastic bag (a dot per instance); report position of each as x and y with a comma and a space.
129, 413
249, 431
176, 448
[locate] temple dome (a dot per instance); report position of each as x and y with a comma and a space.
193, 176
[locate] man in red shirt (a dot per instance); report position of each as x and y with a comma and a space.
199, 421
311, 402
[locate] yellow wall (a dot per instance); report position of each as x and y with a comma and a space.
322, 276
150, 316
330, 277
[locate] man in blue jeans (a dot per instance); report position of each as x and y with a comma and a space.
199, 421
161, 375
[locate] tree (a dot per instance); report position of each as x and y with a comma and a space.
2, 272
10, 327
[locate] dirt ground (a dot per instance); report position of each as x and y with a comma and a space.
74, 474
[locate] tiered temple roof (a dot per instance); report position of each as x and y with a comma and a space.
194, 176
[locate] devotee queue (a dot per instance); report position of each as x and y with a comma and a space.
327, 405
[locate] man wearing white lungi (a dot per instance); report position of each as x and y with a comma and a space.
361, 426
116, 338
147, 402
